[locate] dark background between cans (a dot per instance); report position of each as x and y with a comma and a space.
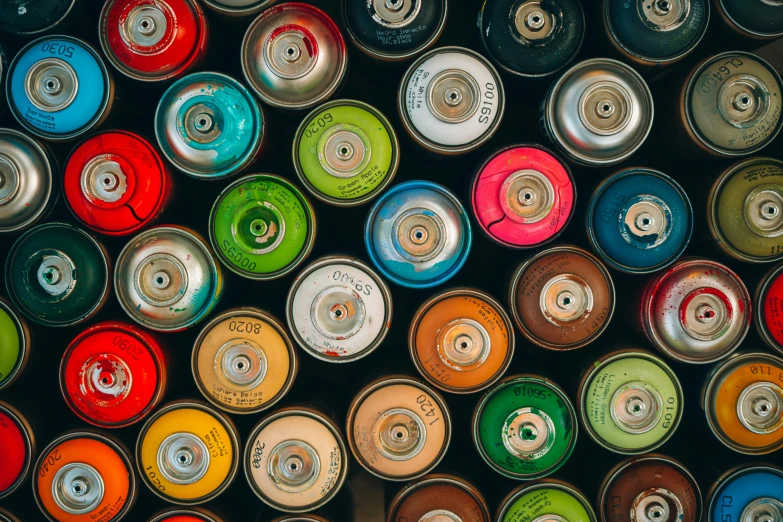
331, 387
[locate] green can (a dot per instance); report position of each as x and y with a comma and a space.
548, 499
262, 226
57, 275
630, 401
346, 152
525, 427
14, 344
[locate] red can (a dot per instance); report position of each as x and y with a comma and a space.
116, 183
523, 196
153, 40
113, 374
769, 308
18, 448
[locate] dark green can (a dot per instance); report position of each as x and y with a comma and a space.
57, 275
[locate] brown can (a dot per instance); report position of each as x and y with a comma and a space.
562, 298
439, 497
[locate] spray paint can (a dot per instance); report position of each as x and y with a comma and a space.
748, 492
759, 19
19, 449
15, 344
439, 497
769, 308
185, 515
559, 500
34, 18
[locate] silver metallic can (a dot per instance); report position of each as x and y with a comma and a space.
27, 186
743, 401
167, 278
696, 311
451, 100
339, 309
598, 113
294, 56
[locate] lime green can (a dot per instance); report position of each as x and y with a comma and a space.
548, 499
262, 226
14, 344
346, 152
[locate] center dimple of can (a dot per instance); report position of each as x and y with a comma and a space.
160, 280
463, 342
289, 54
532, 21
528, 194
241, 363
400, 434
645, 221
743, 101
344, 150
566, 298
337, 313
605, 108
440, 515
258, 227
636, 407
51, 84
762, 209
103, 179
706, 316
9, 179
109, 376
202, 124
294, 466
183, 458
655, 505
145, 26
453, 96
760, 407
765, 509
55, 274
663, 15
421, 235
528, 433
77, 488
395, 13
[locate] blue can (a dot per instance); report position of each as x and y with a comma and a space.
747, 493
418, 234
639, 220
209, 125
59, 88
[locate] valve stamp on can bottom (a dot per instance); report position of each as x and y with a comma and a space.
598, 113
731, 104
439, 497
115, 183
294, 56
185, 515
523, 196
113, 374
639, 220
398, 429
418, 234
525, 427
167, 278
461, 340
651, 488
187, 453
262, 227
451, 100
27, 181
346, 152
630, 402
768, 301
57, 275
531, 38
745, 212
339, 309
696, 311
760, 19
295, 460
562, 298
19, 449
546, 499
14, 344
84, 476
747, 492
743, 400
244, 361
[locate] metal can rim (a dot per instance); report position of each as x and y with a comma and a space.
431, 145
438, 478
456, 292
546, 483
229, 11
758, 302
29, 438
326, 261
742, 29
305, 412
395, 162
24, 343
203, 514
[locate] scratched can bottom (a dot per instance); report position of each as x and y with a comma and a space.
768, 302
398, 428
439, 497
84, 476
651, 488
17, 439
747, 492
546, 499
187, 453
296, 460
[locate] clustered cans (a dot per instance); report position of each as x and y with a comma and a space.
261, 226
